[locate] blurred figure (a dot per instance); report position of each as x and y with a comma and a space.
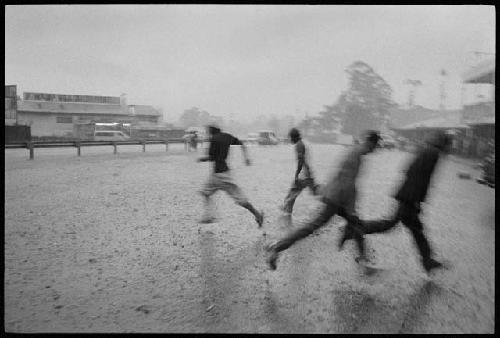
187, 141
412, 192
221, 178
339, 197
194, 140
301, 181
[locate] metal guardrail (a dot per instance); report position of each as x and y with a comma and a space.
78, 144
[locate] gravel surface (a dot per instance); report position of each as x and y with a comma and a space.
112, 243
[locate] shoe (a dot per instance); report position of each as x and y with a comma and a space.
260, 219
363, 261
207, 220
346, 235
367, 266
272, 257
432, 264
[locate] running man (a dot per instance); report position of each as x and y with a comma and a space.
220, 178
303, 178
412, 192
339, 197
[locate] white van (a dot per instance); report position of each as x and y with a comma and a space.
110, 135
267, 137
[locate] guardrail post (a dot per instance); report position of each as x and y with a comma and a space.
32, 150
143, 146
114, 150
77, 145
166, 145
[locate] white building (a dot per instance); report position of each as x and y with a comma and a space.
55, 114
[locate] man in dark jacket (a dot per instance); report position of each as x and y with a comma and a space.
221, 178
339, 197
412, 192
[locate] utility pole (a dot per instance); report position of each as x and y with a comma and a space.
442, 91
413, 86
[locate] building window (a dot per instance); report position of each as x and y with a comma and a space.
64, 119
10, 114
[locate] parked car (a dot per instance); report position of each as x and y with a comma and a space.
387, 142
284, 140
252, 138
110, 135
267, 137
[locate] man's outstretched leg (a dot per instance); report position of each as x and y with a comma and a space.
354, 230
360, 241
259, 216
208, 216
273, 250
424, 249
208, 189
412, 222
289, 202
290, 198
367, 227
239, 197
315, 188
227, 184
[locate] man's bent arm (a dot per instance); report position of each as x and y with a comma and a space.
300, 164
210, 156
245, 153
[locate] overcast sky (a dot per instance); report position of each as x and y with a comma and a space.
241, 60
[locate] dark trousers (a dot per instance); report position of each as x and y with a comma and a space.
408, 215
295, 191
328, 211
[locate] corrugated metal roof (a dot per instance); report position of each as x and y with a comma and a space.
83, 108
70, 108
145, 110
484, 72
154, 127
483, 120
446, 122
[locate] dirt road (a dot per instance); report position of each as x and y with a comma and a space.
112, 243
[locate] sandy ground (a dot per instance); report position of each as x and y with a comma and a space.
112, 243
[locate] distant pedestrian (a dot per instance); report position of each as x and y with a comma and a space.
187, 141
339, 195
302, 179
194, 140
220, 178
410, 195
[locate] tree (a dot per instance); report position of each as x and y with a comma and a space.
329, 118
194, 117
190, 117
203, 118
305, 125
367, 102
